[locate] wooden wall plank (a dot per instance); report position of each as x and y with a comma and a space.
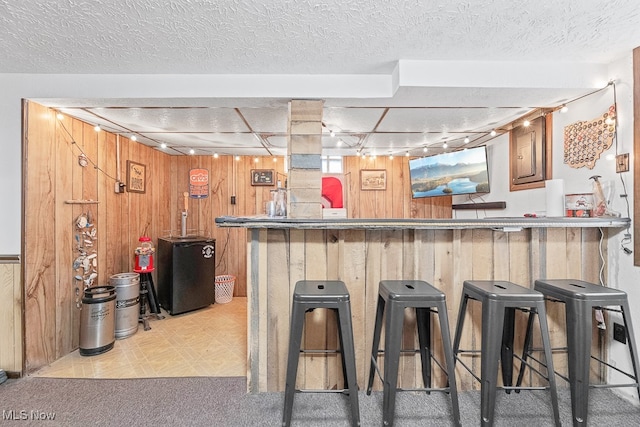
39, 213
10, 318
68, 319
320, 326
352, 262
278, 311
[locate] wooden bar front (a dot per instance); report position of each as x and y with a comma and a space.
443, 253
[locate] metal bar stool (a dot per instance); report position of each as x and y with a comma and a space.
399, 295
307, 296
499, 300
580, 299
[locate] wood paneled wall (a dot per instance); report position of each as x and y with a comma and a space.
52, 176
10, 316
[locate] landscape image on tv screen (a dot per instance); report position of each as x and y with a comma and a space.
458, 172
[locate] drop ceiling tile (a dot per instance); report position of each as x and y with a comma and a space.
351, 119
444, 119
200, 119
210, 140
266, 120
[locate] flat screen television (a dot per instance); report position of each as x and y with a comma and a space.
450, 174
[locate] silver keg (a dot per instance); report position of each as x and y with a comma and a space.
127, 303
97, 321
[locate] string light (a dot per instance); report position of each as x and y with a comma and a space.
390, 156
134, 138
256, 160
97, 128
466, 140
445, 145
215, 155
192, 151
564, 109
493, 132
406, 154
526, 123
332, 133
237, 158
425, 149
275, 159
163, 145
60, 116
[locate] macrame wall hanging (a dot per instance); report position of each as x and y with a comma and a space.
585, 141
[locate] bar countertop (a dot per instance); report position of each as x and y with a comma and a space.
497, 223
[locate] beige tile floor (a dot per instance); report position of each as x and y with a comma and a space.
208, 342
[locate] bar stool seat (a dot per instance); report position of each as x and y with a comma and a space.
580, 299
499, 300
307, 296
399, 295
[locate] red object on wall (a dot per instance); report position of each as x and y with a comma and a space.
144, 256
332, 191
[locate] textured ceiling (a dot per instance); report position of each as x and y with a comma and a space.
320, 38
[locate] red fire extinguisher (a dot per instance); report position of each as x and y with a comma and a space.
144, 256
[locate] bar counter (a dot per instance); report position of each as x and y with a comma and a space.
361, 252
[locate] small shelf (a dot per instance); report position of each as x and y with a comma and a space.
81, 202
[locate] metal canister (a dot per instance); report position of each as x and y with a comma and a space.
127, 303
97, 321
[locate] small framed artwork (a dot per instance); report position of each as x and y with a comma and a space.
262, 177
373, 179
136, 177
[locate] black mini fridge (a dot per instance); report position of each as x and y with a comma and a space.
186, 273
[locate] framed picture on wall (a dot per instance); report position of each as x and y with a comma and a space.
262, 177
136, 177
373, 179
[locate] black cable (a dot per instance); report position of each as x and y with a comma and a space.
73, 142
627, 237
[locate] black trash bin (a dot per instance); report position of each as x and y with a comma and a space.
97, 321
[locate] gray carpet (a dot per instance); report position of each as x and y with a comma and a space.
224, 402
